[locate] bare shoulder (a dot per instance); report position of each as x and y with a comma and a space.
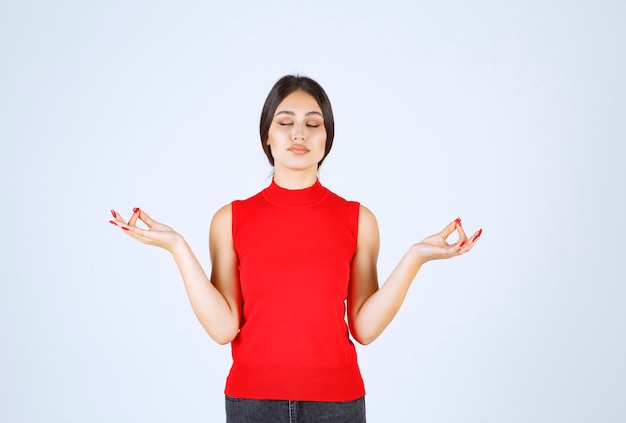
366, 214
221, 225
368, 225
224, 213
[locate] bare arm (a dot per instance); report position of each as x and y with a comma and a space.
217, 305
371, 309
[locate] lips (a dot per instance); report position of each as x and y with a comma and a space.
298, 149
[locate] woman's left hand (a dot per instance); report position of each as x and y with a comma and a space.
436, 246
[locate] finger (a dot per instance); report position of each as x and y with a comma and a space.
468, 244
133, 231
142, 235
138, 214
451, 227
145, 236
461, 231
477, 235
143, 216
117, 217
118, 220
133, 219
120, 225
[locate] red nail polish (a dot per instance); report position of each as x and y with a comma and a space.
124, 228
480, 231
458, 221
113, 213
136, 210
112, 222
462, 244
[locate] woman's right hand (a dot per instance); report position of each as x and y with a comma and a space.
157, 233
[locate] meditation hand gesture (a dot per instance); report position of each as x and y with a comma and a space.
157, 233
436, 247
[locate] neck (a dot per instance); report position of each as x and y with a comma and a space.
293, 179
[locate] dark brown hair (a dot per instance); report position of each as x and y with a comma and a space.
281, 89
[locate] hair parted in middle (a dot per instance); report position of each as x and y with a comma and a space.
281, 89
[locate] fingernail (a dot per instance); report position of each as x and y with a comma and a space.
113, 213
124, 228
136, 210
462, 244
112, 222
458, 221
480, 231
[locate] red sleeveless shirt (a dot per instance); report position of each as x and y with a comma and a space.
294, 249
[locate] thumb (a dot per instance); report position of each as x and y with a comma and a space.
145, 218
449, 229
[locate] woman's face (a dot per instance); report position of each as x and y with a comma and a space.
297, 136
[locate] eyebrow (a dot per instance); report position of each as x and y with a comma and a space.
290, 113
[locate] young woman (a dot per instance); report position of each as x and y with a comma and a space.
285, 263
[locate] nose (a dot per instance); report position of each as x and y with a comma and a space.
298, 132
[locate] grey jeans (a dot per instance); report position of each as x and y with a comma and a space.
240, 410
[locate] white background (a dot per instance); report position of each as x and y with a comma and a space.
510, 115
